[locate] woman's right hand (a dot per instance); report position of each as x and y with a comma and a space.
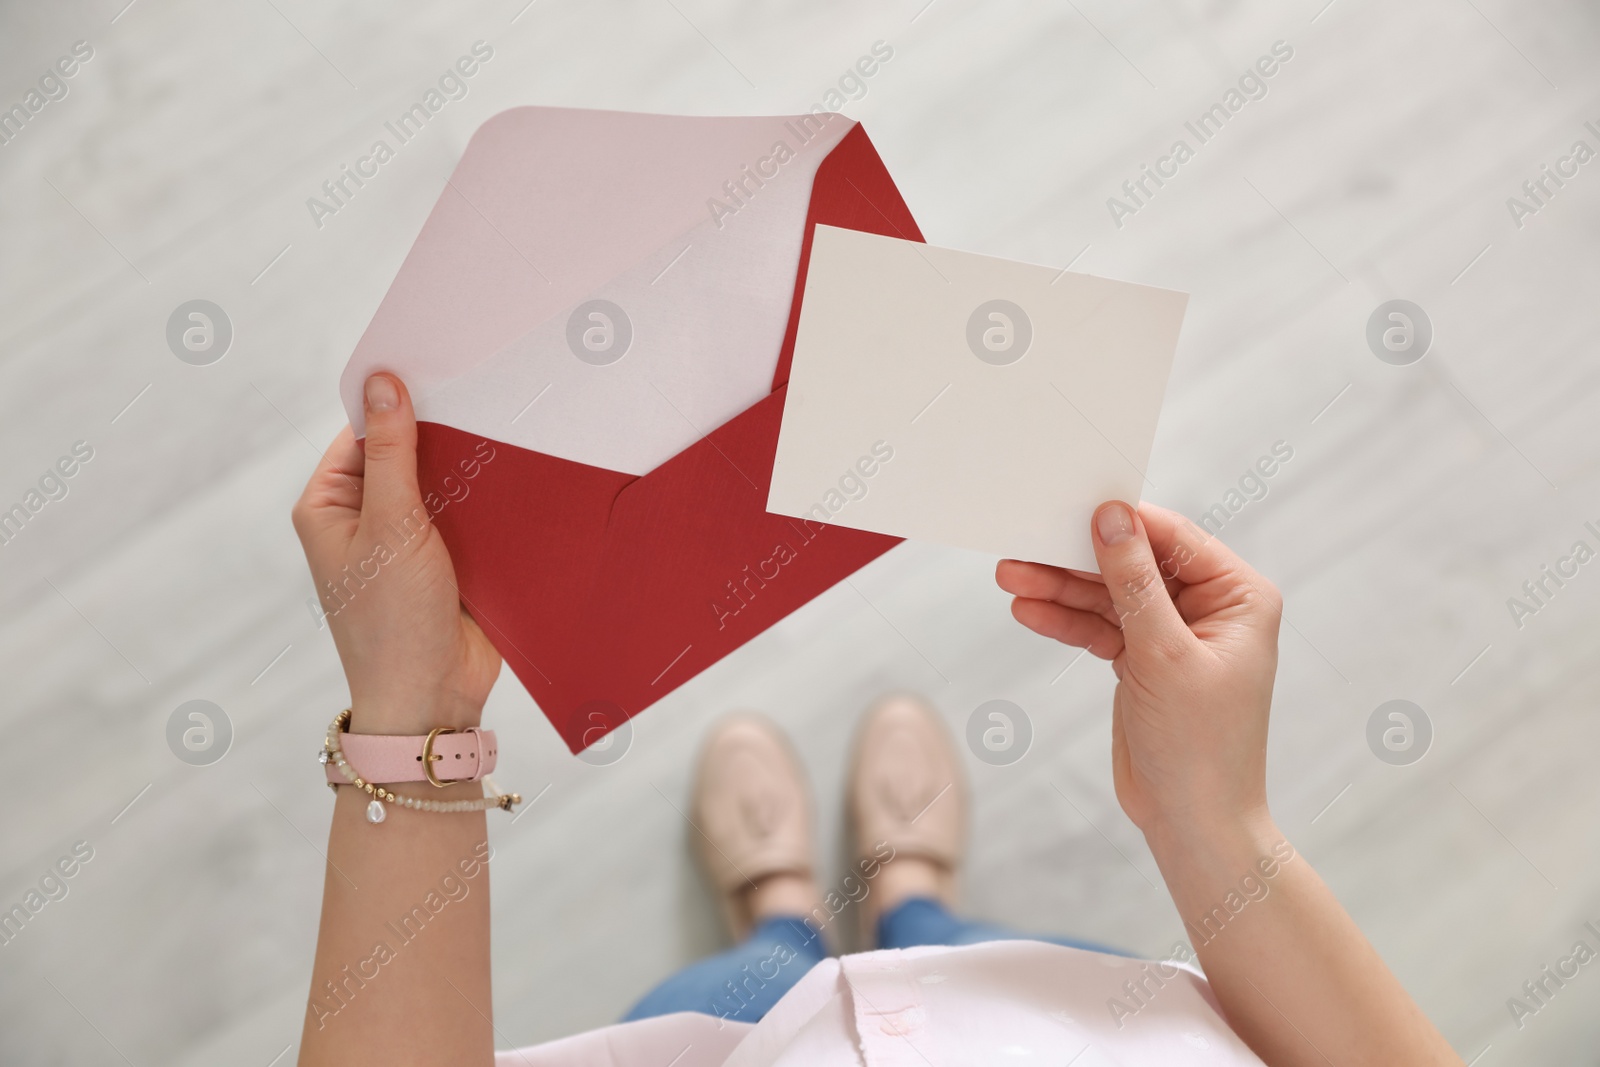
414, 658
1192, 633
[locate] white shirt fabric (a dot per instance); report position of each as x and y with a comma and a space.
1002, 1002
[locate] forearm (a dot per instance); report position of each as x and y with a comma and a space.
402, 964
1295, 976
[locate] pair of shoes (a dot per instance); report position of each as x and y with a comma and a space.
752, 808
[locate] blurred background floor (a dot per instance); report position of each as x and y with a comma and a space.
1418, 500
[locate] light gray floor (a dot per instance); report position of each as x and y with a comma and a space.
1419, 498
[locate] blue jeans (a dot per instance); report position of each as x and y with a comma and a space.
743, 983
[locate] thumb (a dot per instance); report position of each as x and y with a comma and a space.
1150, 621
389, 483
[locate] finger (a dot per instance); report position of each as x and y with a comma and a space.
337, 480
1099, 579
1185, 550
329, 508
1196, 557
334, 488
1149, 618
1080, 629
390, 490
1036, 581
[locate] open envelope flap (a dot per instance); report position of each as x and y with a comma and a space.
546, 205
603, 591
690, 336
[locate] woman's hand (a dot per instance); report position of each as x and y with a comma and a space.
413, 657
1192, 633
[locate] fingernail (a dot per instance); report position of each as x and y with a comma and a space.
381, 394
1114, 523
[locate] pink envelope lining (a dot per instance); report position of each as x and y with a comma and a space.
551, 205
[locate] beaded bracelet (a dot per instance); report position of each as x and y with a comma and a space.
375, 809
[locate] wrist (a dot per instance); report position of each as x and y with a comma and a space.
413, 712
1205, 838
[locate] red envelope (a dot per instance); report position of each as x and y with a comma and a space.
605, 590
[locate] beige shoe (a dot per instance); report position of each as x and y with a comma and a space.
907, 789
752, 809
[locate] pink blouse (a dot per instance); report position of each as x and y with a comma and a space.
1022, 1002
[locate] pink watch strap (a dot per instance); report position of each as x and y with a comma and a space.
464, 756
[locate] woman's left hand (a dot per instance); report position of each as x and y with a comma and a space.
413, 657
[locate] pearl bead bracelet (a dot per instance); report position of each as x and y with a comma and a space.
331, 752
